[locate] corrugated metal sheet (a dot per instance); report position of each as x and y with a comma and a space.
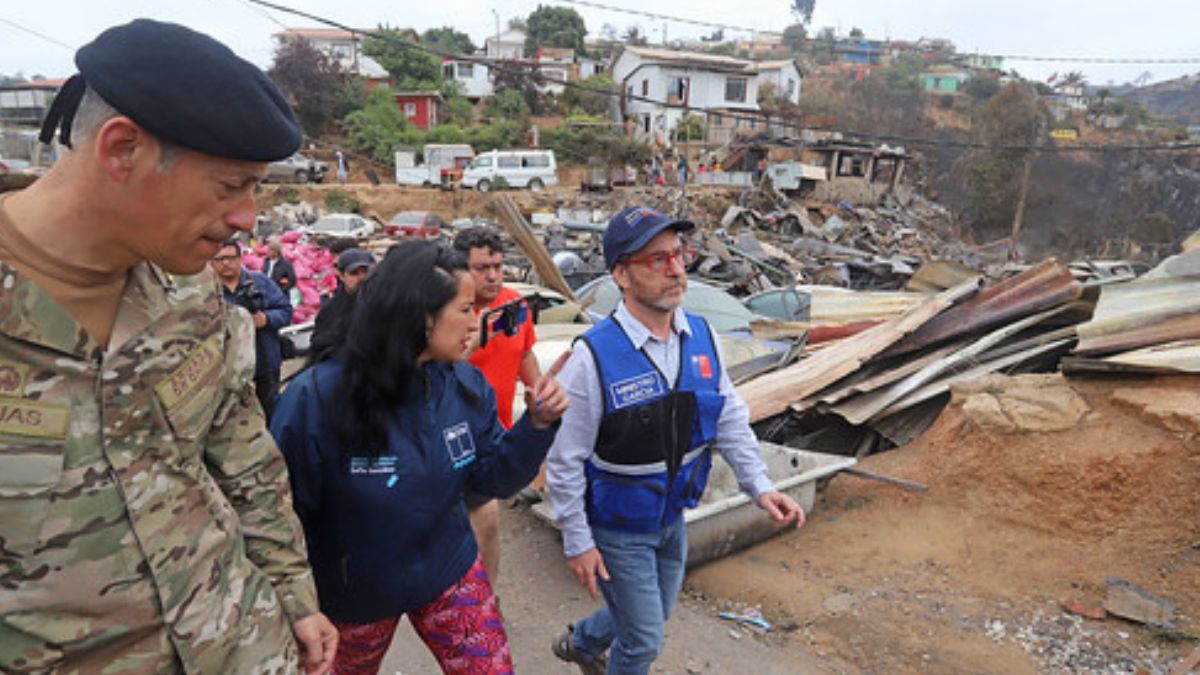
1045, 285
1142, 313
836, 306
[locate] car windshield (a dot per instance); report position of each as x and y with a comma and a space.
723, 312
407, 218
333, 225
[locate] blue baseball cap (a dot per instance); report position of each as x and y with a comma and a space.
633, 227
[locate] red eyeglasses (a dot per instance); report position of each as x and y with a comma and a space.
661, 262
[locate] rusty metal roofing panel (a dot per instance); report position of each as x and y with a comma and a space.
1142, 313
1045, 285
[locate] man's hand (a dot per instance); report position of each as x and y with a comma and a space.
260, 319
586, 567
317, 639
548, 401
782, 509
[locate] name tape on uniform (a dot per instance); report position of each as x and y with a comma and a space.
22, 417
182, 382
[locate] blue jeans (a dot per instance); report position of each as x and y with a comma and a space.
646, 572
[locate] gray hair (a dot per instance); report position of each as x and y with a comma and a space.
94, 111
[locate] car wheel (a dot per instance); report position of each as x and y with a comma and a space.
426, 184
484, 186
536, 184
301, 176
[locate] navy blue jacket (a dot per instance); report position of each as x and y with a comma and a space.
268, 354
391, 535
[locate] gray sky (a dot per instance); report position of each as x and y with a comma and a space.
1161, 29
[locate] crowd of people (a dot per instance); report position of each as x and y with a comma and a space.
164, 508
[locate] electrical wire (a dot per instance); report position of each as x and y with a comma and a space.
34, 33
500, 66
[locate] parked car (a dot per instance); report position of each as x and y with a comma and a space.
785, 304
744, 354
296, 169
423, 224
341, 225
722, 311
533, 169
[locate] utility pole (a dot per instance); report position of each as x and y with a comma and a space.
497, 17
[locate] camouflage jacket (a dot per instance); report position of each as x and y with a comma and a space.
146, 522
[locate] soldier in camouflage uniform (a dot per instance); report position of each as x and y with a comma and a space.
146, 523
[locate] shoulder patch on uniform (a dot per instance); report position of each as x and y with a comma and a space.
12, 378
23, 417
182, 382
460, 444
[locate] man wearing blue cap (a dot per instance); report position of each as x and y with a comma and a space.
145, 514
650, 402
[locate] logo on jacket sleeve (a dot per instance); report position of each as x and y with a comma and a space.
460, 444
636, 390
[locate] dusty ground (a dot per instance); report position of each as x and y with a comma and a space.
968, 577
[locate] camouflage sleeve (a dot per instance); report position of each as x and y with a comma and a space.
250, 470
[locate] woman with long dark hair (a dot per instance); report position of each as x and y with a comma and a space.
380, 442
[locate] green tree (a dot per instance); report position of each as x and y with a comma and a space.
690, 128
310, 80
458, 110
794, 38
350, 97
507, 105
993, 175
409, 67
634, 37
579, 99
856, 32
981, 88
379, 127
549, 26
803, 10
891, 99
447, 39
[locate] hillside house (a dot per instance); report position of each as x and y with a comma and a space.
420, 107
25, 103
472, 75
678, 83
860, 51
784, 76
342, 46
509, 45
1067, 98
944, 80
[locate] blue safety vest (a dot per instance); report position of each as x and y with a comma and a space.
652, 454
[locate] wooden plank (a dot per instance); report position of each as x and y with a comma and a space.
772, 393
522, 232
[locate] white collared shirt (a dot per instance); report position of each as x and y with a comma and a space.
576, 438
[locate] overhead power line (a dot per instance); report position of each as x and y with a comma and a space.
502, 67
34, 33
1150, 60
665, 17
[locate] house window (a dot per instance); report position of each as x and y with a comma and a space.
410, 109
677, 89
645, 87
646, 123
717, 120
791, 88
448, 71
466, 71
735, 89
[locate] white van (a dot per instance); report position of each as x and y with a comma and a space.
533, 169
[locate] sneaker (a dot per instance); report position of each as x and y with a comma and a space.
564, 648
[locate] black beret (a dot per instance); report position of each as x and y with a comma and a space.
186, 88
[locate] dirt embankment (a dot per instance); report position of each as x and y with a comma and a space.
1039, 489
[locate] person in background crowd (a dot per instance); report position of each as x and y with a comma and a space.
650, 402
277, 268
145, 512
503, 359
682, 169
329, 328
269, 310
343, 166
381, 442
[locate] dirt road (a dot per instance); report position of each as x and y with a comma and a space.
539, 597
